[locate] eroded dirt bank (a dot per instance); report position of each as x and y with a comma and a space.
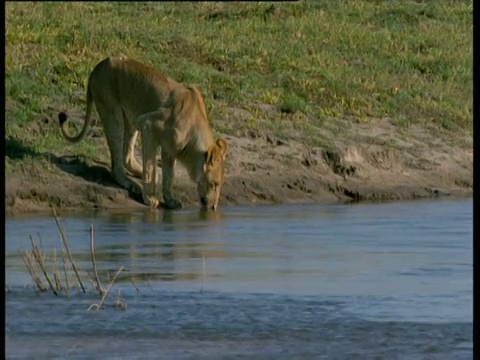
367, 163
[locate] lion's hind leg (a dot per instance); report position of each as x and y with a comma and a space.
113, 127
131, 163
149, 175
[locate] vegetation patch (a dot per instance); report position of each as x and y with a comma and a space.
62, 276
409, 60
326, 74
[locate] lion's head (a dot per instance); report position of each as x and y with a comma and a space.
211, 179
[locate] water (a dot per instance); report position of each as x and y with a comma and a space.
301, 281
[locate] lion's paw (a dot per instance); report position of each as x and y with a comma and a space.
173, 204
151, 201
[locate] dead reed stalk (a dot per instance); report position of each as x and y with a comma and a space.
41, 262
67, 247
105, 295
37, 282
36, 261
67, 284
56, 272
92, 253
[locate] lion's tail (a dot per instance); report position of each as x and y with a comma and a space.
62, 119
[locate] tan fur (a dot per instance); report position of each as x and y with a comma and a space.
131, 97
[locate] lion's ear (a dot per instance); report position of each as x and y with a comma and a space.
222, 144
215, 152
210, 156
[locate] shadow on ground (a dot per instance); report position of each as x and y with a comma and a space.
78, 166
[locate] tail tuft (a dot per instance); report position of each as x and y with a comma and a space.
62, 117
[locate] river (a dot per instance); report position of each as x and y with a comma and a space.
389, 280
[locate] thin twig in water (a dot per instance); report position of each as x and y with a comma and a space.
134, 285
40, 240
92, 252
67, 286
104, 297
65, 242
94, 286
149, 284
42, 253
56, 272
40, 262
119, 303
37, 283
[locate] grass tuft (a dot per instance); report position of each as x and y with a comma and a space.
37, 264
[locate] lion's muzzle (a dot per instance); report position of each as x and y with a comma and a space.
206, 205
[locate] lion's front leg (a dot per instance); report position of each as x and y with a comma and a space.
149, 150
168, 163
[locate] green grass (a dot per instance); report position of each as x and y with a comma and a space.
317, 61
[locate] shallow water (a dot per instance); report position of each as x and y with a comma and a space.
299, 281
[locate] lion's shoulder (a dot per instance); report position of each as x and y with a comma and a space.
197, 100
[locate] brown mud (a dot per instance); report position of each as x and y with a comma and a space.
368, 162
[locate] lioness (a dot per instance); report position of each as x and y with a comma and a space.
131, 97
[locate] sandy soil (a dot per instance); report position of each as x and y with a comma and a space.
368, 163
